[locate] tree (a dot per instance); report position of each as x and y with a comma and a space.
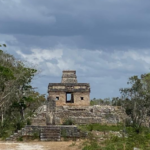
15, 80
116, 101
136, 99
18, 100
105, 101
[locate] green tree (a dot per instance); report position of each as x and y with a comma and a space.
105, 101
18, 100
136, 99
15, 79
116, 101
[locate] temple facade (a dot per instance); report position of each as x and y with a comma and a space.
69, 92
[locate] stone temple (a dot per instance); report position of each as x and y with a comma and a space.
68, 100
71, 100
69, 92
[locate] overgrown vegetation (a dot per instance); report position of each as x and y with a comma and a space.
136, 129
100, 127
68, 121
105, 101
36, 135
18, 100
133, 139
128, 140
135, 100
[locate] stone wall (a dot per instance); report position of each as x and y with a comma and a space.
90, 114
77, 99
84, 115
69, 77
39, 120
79, 102
80, 92
68, 87
62, 98
66, 131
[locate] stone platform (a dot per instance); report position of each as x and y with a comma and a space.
48, 133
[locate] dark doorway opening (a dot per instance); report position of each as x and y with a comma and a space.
69, 98
57, 98
82, 98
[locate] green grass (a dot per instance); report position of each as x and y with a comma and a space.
99, 127
92, 146
140, 140
132, 138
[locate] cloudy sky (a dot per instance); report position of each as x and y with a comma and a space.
105, 41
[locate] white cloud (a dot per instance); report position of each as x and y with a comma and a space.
38, 55
106, 72
89, 62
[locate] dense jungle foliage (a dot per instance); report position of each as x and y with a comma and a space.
18, 100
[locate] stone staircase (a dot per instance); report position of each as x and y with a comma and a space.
46, 133
50, 133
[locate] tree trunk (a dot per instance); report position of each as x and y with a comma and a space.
22, 113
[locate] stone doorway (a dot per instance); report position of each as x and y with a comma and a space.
69, 98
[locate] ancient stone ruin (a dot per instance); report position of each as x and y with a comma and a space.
50, 111
69, 92
69, 100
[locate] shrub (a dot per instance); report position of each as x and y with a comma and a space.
92, 146
20, 138
91, 143
68, 122
36, 135
140, 140
100, 127
28, 122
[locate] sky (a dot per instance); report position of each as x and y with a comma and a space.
105, 41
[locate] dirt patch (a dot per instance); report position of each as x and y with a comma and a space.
65, 145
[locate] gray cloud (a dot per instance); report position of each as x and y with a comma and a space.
106, 72
100, 24
106, 41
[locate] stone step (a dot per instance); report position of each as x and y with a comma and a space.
49, 134
8, 139
43, 137
15, 135
47, 127
11, 136
50, 129
50, 139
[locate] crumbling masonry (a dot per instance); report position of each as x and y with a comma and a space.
68, 100
72, 101
69, 92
